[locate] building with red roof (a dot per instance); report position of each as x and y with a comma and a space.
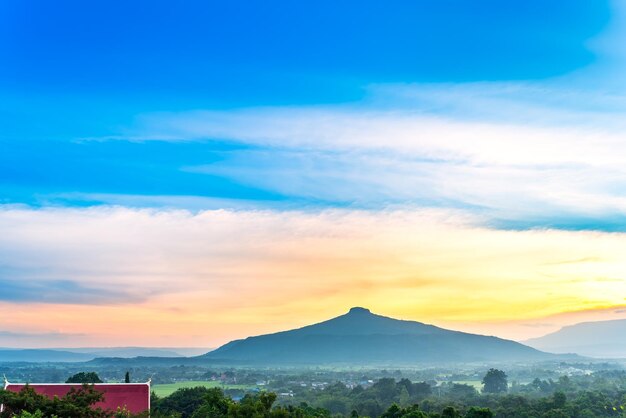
134, 397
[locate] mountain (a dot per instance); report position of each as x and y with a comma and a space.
37, 355
593, 339
361, 337
125, 352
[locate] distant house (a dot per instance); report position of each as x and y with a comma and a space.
135, 397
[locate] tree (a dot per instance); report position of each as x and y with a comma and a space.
461, 390
412, 411
127, 377
385, 389
27, 401
559, 400
450, 412
24, 414
476, 412
420, 390
394, 411
369, 408
256, 406
215, 405
77, 403
495, 381
183, 401
403, 397
84, 377
335, 404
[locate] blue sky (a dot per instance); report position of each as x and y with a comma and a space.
78, 77
233, 54
147, 143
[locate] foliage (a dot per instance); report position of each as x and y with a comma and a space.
323, 393
461, 391
450, 412
495, 381
412, 411
84, 377
26, 414
475, 412
77, 403
184, 402
213, 403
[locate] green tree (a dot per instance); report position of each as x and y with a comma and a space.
495, 381
476, 412
77, 403
403, 397
255, 406
24, 414
462, 390
369, 407
215, 405
184, 401
420, 390
84, 377
412, 411
335, 404
559, 400
385, 389
450, 412
127, 377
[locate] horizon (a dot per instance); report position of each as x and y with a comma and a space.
206, 172
349, 311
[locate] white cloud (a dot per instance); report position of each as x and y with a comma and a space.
515, 151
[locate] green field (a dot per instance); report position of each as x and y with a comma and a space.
167, 389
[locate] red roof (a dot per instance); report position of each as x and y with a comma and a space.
135, 397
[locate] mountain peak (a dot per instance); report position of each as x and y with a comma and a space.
358, 310
362, 337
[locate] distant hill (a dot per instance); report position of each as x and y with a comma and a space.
40, 356
361, 337
594, 339
125, 352
36, 355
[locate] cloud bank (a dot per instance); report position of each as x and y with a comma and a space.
210, 276
522, 155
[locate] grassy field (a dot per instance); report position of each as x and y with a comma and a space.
167, 389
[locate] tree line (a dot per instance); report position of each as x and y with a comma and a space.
386, 398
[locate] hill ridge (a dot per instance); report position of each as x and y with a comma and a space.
590, 338
360, 336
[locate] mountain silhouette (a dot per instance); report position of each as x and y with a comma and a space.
595, 339
361, 337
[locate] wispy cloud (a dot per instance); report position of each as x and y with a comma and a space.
47, 336
29, 290
523, 155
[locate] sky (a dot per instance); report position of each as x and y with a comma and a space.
184, 174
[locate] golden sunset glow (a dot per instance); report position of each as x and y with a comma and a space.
187, 175
206, 278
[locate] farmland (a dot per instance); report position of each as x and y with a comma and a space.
169, 388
